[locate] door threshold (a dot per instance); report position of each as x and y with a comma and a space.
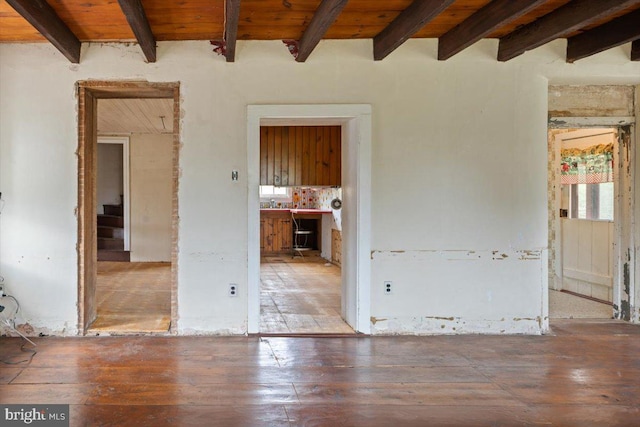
308, 335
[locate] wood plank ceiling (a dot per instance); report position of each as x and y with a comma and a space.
590, 26
119, 116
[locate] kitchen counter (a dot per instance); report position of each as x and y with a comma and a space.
297, 211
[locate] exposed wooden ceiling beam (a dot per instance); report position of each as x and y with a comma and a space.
323, 18
232, 16
564, 20
409, 22
635, 50
42, 16
614, 33
137, 18
486, 20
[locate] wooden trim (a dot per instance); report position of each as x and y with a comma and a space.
572, 16
137, 19
88, 94
323, 18
128, 89
614, 33
87, 228
42, 16
410, 21
486, 20
232, 16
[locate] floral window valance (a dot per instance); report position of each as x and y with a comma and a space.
591, 165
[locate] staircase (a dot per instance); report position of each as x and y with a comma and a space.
111, 235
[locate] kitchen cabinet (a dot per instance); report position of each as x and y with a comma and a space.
276, 232
300, 155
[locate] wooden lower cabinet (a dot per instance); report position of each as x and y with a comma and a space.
275, 233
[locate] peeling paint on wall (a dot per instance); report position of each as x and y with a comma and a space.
375, 320
460, 255
428, 325
625, 306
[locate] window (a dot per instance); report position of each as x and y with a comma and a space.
591, 201
273, 192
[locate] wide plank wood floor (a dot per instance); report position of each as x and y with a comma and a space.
300, 296
133, 297
586, 373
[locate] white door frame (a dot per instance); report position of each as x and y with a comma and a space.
126, 183
355, 120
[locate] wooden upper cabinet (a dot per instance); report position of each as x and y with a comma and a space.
300, 155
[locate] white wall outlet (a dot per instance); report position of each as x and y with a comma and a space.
388, 289
233, 290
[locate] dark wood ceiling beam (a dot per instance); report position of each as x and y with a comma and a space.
635, 50
614, 33
137, 19
42, 16
323, 18
486, 20
410, 21
232, 16
562, 21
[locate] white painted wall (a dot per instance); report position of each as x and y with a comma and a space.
110, 179
151, 195
458, 159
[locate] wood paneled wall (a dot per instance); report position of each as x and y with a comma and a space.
300, 155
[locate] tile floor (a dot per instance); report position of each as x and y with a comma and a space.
133, 297
300, 296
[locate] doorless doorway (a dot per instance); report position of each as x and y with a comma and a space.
89, 92
355, 121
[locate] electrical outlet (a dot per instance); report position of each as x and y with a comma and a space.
387, 288
233, 290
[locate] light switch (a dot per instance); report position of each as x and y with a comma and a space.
234, 175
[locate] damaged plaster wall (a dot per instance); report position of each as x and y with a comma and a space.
459, 184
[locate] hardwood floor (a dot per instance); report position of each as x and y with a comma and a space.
586, 373
301, 296
133, 297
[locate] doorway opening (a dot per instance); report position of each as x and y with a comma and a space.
315, 229
588, 221
300, 230
128, 163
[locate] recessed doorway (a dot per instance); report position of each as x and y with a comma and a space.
300, 230
127, 206
588, 169
354, 124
